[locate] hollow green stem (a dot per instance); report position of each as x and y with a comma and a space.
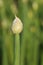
5, 60
17, 49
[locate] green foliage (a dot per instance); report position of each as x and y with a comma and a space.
30, 49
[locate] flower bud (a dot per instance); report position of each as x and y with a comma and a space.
17, 26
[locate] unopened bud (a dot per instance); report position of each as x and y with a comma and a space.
17, 26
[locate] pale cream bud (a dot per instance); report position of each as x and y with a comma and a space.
17, 26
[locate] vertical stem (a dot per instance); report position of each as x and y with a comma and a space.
42, 58
17, 49
5, 59
36, 47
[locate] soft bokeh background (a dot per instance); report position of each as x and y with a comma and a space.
31, 39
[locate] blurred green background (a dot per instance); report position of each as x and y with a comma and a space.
31, 39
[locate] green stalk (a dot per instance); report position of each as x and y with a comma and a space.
17, 49
36, 42
5, 59
42, 58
